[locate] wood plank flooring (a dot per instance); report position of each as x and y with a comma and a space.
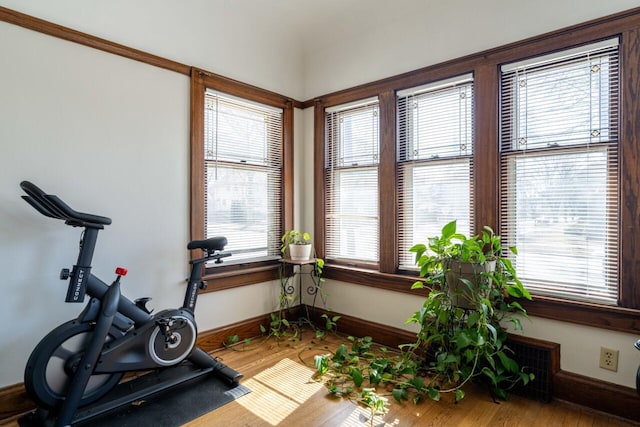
284, 394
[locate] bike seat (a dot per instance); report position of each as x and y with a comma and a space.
52, 206
211, 244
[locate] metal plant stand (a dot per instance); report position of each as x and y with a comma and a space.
288, 284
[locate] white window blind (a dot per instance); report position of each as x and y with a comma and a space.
435, 147
243, 172
351, 171
559, 171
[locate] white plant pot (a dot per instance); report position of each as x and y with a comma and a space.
300, 252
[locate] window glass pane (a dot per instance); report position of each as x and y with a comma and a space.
230, 126
559, 205
359, 137
238, 208
243, 159
435, 147
560, 174
355, 219
562, 103
440, 124
434, 194
351, 208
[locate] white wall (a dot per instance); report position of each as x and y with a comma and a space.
392, 37
111, 137
247, 40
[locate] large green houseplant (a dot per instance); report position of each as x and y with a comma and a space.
461, 336
473, 291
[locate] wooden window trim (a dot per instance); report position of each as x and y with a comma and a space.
69, 34
485, 67
241, 274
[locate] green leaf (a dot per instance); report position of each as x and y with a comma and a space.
449, 230
417, 285
462, 340
341, 353
473, 318
321, 362
494, 332
488, 373
502, 394
399, 394
490, 361
510, 364
459, 395
517, 325
420, 247
514, 291
524, 377
433, 393
263, 329
517, 306
356, 376
374, 376
418, 383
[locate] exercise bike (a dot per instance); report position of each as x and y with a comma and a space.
81, 361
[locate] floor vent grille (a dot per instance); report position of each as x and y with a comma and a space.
542, 358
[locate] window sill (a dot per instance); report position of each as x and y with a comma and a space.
598, 316
361, 276
222, 278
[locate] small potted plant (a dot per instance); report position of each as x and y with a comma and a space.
296, 244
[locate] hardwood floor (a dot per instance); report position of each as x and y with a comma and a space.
284, 394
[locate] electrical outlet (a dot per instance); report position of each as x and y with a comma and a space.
609, 359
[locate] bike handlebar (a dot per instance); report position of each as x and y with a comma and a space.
53, 207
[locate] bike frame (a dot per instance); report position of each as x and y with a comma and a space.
82, 278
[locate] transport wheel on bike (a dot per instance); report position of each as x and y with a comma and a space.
54, 361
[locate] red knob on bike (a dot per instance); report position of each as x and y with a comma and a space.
121, 271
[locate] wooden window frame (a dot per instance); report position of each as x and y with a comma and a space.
247, 273
485, 68
332, 165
